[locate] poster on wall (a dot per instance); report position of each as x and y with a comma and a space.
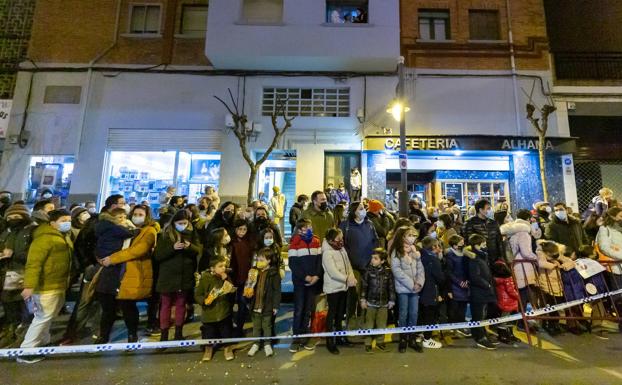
455, 190
206, 171
5, 112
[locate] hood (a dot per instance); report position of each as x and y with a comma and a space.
518, 226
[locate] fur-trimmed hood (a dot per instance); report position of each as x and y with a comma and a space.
518, 226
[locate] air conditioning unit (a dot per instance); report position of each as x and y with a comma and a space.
229, 121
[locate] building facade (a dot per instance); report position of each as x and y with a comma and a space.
118, 96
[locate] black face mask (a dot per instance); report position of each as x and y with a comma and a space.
202, 208
227, 215
17, 223
323, 206
5, 200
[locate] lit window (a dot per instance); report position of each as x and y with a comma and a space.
145, 19
320, 102
262, 11
433, 25
344, 11
194, 20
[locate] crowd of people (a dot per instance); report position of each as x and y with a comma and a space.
372, 266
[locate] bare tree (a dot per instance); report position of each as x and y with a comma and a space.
240, 121
541, 125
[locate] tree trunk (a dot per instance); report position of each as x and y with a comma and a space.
251, 184
542, 156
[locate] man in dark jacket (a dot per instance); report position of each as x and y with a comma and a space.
431, 292
483, 223
565, 229
295, 213
383, 221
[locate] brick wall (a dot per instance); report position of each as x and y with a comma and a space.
16, 17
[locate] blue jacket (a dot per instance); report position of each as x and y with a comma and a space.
305, 259
360, 240
434, 278
457, 271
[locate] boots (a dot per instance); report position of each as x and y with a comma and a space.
331, 345
229, 353
504, 336
8, 336
403, 343
131, 338
164, 335
208, 354
416, 343
179, 335
344, 341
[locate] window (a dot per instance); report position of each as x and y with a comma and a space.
194, 20
346, 11
320, 102
262, 11
434, 25
62, 95
494, 191
484, 25
145, 19
49, 173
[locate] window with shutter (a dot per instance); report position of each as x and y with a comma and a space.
262, 11
194, 20
145, 19
484, 25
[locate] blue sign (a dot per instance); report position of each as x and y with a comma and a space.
568, 161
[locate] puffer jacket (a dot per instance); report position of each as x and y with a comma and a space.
457, 270
304, 259
569, 233
609, 241
481, 284
176, 267
337, 268
520, 241
550, 273
407, 273
137, 279
489, 229
377, 286
507, 296
49, 261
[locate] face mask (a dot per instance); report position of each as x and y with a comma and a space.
268, 242
307, 236
180, 228
64, 227
337, 245
361, 214
435, 215
548, 209
92, 210
305, 206
127, 209
323, 206
261, 220
440, 224
561, 215
227, 215
411, 240
16, 223
139, 221
490, 214
433, 234
535, 226
85, 216
226, 240
482, 247
262, 264
46, 196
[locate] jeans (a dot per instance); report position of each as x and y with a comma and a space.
262, 324
109, 304
428, 315
409, 309
304, 304
336, 310
478, 313
47, 306
220, 329
166, 304
376, 318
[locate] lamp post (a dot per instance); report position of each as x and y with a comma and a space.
398, 109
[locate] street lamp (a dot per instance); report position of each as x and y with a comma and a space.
397, 108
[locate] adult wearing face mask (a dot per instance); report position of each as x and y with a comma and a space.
360, 239
40, 211
543, 214
565, 229
483, 223
609, 241
47, 194
295, 213
91, 207
383, 221
46, 278
319, 214
224, 218
261, 221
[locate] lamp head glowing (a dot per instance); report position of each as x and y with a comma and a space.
396, 108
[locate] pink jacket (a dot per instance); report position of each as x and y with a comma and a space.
519, 233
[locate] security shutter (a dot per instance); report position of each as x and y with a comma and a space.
124, 139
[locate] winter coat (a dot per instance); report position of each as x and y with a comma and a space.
19, 241
377, 286
321, 221
137, 279
242, 251
507, 295
360, 240
489, 229
550, 272
49, 261
176, 267
457, 272
520, 240
382, 224
406, 274
434, 278
304, 259
609, 241
337, 268
272, 292
221, 307
277, 205
569, 233
342, 196
295, 213
110, 236
481, 284
84, 246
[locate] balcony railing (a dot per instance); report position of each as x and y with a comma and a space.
588, 65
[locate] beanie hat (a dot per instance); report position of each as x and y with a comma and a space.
18, 208
375, 206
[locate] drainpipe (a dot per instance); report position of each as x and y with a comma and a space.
514, 72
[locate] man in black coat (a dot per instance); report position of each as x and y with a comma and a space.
565, 229
484, 224
295, 213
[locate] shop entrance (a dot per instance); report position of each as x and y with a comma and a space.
279, 170
418, 184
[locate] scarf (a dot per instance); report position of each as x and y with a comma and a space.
260, 291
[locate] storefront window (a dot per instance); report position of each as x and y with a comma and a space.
346, 11
49, 174
144, 176
493, 191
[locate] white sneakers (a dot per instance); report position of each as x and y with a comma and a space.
431, 344
255, 348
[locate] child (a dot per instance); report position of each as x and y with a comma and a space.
377, 297
266, 298
482, 287
212, 293
507, 298
242, 250
457, 272
113, 232
409, 279
338, 278
431, 293
305, 263
217, 247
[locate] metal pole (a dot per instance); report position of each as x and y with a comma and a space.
403, 196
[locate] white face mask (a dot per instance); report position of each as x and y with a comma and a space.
361, 214
561, 215
226, 240
138, 221
92, 210
411, 239
440, 224
127, 208
180, 228
490, 214
85, 216
548, 209
268, 242
46, 196
433, 234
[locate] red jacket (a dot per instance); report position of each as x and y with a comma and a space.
304, 259
507, 295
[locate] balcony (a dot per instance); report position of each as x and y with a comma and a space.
588, 66
303, 35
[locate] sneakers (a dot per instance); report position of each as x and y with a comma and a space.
254, 349
229, 353
383, 348
30, 359
431, 344
484, 343
603, 335
208, 354
464, 333
309, 345
294, 347
268, 350
368, 349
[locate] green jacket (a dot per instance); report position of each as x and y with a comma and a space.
49, 260
321, 221
220, 308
